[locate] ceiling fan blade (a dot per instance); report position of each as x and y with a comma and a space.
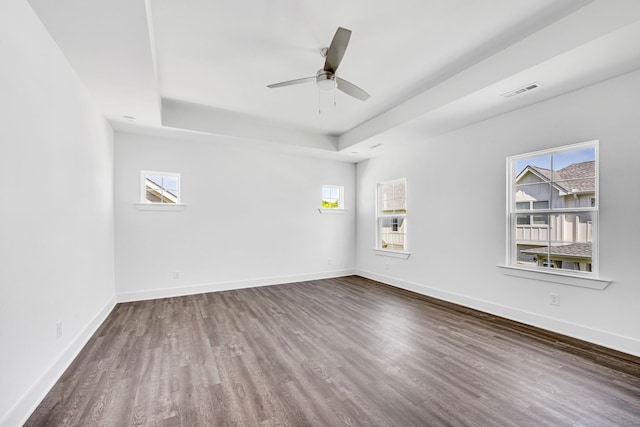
351, 89
293, 82
336, 49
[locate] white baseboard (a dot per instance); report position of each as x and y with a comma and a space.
606, 339
25, 406
228, 286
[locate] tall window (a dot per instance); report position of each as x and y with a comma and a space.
392, 215
553, 208
332, 197
160, 187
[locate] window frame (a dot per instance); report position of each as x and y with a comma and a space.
148, 205
340, 200
589, 279
380, 216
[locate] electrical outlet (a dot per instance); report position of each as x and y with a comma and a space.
176, 274
329, 262
386, 265
59, 329
555, 299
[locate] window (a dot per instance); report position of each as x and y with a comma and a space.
532, 219
553, 209
160, 187
332, 197
392, 215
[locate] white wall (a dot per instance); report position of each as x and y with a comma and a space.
252, 218
56, 213
457, 231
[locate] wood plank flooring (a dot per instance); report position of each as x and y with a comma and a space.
346, 351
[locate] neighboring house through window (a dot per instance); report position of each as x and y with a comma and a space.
160, 187
392, 215
532, 205
553, 208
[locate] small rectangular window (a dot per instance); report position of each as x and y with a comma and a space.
392, 215
332, 197
160, 187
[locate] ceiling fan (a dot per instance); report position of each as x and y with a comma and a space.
326, 78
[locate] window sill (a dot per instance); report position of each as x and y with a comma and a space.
390, 253
159, 207
556, 277
332, 211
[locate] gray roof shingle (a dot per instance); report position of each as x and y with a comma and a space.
578, 177
573, 250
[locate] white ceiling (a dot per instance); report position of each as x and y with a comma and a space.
430, 65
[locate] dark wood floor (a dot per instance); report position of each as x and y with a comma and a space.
345, 351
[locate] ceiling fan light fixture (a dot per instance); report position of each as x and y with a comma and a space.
326, 84
326, 81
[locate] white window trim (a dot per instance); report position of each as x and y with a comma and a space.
160, 207
394, 253
391, 253
591, 279
334, 211
582, 280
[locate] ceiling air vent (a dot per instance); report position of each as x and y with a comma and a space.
523, 89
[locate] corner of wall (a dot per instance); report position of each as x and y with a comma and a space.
27, 403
